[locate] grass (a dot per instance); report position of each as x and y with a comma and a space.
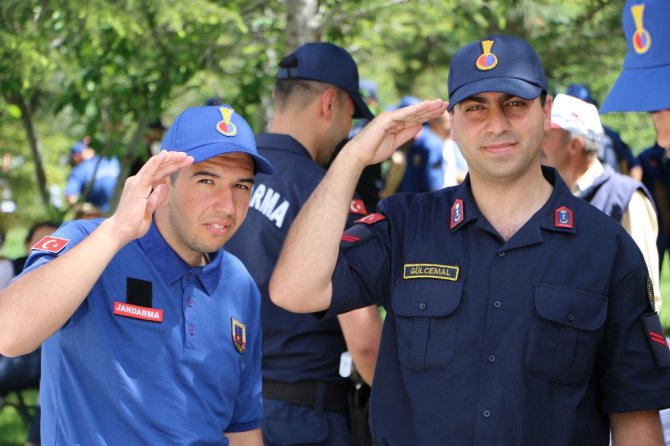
12, 430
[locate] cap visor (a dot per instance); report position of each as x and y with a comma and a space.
637, 90
203, 153
515, 87
362, 110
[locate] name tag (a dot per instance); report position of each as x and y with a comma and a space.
137, 312
430, 271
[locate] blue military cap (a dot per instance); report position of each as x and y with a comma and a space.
641, 85
327, 63
209, 131
500, 63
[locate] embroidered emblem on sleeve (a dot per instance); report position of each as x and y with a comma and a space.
239, 333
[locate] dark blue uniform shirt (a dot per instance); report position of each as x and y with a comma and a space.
530, 341
296, 347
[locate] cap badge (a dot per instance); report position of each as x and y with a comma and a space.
226, 127
641, 37
563, 218
487, 60
239, 332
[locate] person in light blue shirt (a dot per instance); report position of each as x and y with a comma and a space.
150, 331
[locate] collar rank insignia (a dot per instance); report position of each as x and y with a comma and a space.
563, 218
226, 127
51, 244
457, 214
487, 60
357, 207
370, 218
641, 38
239, 332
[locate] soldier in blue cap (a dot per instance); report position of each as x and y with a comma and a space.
306, 400
150, 332
504, 324
642, 86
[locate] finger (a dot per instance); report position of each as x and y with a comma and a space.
156, 198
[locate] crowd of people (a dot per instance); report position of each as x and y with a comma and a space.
482, 270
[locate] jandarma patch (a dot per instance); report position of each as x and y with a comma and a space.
430, 271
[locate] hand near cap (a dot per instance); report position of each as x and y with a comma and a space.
143, 193
389, 130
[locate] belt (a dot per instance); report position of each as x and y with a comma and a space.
329, 396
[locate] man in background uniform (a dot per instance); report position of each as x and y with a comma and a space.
305, 399
571, 146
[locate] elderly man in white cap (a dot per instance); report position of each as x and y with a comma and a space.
571, 146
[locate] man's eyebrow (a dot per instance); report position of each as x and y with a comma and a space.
483, 100
247, 180
205, 173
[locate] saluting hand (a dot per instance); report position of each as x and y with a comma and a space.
389, 130
143, 193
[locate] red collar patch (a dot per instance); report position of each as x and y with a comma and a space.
457, 214
51, 244
371, 218
357, 207
563, 218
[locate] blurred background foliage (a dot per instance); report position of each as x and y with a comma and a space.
109, 68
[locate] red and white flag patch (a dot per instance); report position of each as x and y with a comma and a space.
357, 207
370, 218
51, 244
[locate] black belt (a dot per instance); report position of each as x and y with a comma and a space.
332, 397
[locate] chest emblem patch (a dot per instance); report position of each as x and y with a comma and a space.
563, 218
239, 332
430, 271
456, 213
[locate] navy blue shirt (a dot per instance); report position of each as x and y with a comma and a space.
424, 169
528, 341
106, 171
656, 178
295, 346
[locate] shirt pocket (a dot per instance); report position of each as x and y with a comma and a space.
426, 321
565, 333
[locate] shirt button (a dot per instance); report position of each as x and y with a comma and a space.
422, 306
191, 330
492, 358
501, 254
189, 276
497, 304
486, 413
571, 317
190, 302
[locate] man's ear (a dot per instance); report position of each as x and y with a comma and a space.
328, 101
577, 145
547, 113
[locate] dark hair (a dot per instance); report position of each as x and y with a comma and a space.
36, 226
302, 90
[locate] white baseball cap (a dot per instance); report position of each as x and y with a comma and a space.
576, 116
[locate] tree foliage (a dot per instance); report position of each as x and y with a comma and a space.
108, 68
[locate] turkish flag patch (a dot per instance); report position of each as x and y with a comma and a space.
51, 244
357, 207
371, 218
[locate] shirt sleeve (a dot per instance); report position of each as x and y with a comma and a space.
641, 223
634, 359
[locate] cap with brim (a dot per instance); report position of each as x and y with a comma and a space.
515, 87
646, 68
327, 63
209, 131
497, 63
